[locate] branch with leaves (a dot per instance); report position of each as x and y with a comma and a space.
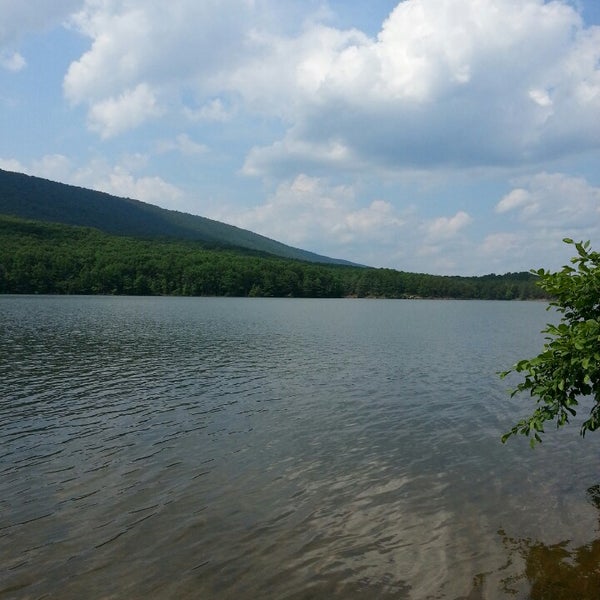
568, 368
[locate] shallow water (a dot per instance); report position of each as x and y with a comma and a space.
270, 448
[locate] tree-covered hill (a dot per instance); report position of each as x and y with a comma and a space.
49, 258
43, 200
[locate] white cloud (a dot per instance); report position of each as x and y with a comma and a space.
312, 213
520, 250
214, 110
514, 199
542, 210
447, 227
167, 47
56, 167
328, 154
115, 115
554, 201
123, 179
372, 220
529, 224
12, 164
12, 61
183, 144
446, 82
540, 97
500, 244
155, 190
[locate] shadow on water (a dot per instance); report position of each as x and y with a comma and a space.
551, 572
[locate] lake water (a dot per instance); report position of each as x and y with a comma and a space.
271, 448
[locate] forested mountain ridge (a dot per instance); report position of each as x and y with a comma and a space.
49, 258
40, 199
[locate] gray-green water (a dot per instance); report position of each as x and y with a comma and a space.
266, 448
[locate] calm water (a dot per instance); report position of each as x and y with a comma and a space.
265, 448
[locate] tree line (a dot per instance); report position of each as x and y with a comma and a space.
46, 258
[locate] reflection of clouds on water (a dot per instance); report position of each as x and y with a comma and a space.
272, 449
375, 533
389, 535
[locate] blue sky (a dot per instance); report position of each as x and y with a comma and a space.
440, 136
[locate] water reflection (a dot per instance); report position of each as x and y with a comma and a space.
550, 571
186, 448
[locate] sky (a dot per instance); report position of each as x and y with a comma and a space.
457, 137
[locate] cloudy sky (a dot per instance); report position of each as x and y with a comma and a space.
440, 136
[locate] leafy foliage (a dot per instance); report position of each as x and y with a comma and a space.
49, 258
568, 368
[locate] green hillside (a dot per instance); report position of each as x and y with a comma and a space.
43, 200
49, 258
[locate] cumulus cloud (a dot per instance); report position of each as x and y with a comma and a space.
520, 250
310, 212
332, 219
445, 82
182, 143
12, 61
499, 244
57, 167
51, 166
12, 164
446, 227
131, 108
214, 110
312, 156
163, 47
155, 190
441, 244
450, 82
525, 228
126, 179
313, 213
536, 215
554, 201
514, 199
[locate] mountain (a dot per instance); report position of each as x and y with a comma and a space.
43, 200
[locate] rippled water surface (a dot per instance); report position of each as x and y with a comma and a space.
267, 448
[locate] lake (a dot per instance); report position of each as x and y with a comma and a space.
283, 448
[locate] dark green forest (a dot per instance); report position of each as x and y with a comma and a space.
48, 258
